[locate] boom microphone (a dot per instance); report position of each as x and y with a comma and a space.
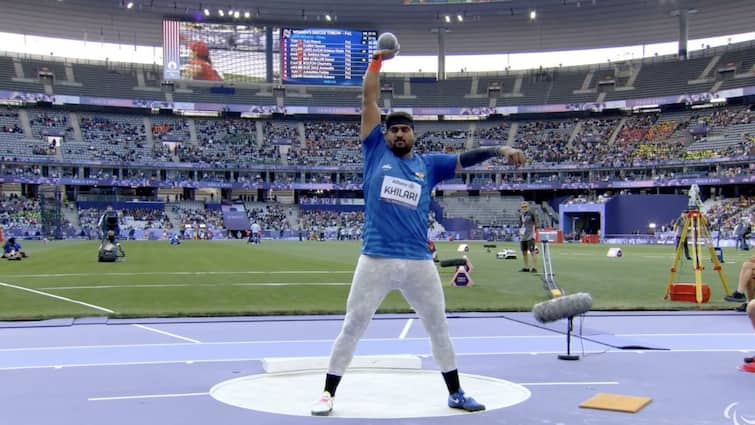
453, 262
562, 307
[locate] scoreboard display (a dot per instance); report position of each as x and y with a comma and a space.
325, 56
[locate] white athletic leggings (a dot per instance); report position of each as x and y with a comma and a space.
374, 278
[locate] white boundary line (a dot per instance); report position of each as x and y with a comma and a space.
330, 341
142, 363
57, 297
136, 397
160, 285
292, 284
184, 338
149, 396
424, 355
262, 342
307, 272
178, 285
690, 334
406, 328
545, 384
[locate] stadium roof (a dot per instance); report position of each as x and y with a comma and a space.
488, 27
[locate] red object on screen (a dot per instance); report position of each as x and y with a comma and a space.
200, 49
206, 71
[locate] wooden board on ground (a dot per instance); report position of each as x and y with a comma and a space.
616, 402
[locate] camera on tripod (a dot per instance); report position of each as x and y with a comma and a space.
694, 203
110, 250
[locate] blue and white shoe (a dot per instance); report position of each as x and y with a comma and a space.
459, 400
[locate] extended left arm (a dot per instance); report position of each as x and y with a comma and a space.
476, 156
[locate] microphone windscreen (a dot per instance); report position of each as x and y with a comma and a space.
562, 307
453, 262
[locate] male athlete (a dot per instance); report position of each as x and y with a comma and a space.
527, 227
746, 292
678, 229
747, 279
395, 253
745, 286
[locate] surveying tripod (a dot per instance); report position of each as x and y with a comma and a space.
696, 226
549, 282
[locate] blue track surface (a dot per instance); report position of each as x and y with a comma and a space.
160, 370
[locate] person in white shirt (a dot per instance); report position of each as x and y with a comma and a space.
256, 236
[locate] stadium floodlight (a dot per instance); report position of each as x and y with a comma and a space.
247, 14
220, 12
328, 17
533, 14
206, 12
130, 5
447, 19
460, 17
236, 14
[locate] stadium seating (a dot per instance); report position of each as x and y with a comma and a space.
484, 210
655, 77
234, 142
271, 156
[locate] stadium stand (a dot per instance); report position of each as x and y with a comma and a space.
668, 78
34, 68
10, 80
488, 210
287, 158
343, 96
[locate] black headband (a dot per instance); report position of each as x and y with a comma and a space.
398, 119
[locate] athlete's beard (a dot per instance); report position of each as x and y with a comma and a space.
401, 150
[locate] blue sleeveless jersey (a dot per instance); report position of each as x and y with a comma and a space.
397, 198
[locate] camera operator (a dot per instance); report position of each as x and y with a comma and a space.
110, 229
12, 250
109, 222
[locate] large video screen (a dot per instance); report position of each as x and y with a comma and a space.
323, 56
218, 52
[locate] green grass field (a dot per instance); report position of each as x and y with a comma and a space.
201, 278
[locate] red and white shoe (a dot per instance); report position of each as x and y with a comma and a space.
324, 405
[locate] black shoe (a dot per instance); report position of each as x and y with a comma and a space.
735, 297
742, 308
748, 359
533, 270
524, 269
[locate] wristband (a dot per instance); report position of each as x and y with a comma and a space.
375, 64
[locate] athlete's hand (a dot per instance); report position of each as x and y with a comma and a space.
386, 53
513, 156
